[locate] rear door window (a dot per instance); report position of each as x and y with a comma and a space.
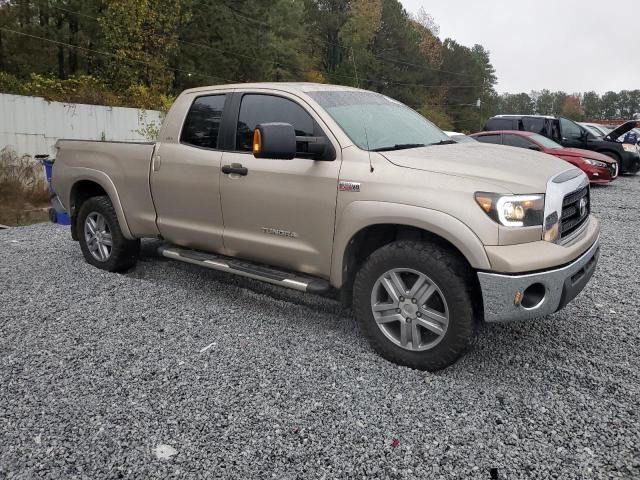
495, 138
516, 141
533, 124
202, 126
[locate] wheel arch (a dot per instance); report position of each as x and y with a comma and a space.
94, 183
611, 153
366, 227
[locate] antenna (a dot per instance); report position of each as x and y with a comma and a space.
368, 151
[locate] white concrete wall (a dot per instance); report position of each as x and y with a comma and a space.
31, 125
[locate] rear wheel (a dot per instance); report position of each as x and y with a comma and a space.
101, 240
413, 301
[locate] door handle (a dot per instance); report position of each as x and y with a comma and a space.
156, 163
235, 168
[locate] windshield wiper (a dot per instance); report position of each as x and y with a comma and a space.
400, 146
444, 142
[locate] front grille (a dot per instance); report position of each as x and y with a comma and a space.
572, 219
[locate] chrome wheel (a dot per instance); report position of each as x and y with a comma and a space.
98, 236
410, 309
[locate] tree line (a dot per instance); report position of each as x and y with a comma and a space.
144, 52
577, 106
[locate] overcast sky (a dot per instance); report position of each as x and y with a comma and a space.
570, 45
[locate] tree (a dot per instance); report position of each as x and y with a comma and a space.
592, 106
609, 105
143, 37
544, 102
572, 108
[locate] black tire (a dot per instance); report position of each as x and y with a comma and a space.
453, 277
124, 252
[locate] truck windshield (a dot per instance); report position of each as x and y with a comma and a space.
377, 123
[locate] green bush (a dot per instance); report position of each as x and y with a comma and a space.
84, 89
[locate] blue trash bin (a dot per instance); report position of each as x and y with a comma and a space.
57, 213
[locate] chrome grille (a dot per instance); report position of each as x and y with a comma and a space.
572, 218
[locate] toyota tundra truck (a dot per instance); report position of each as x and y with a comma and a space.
337, 190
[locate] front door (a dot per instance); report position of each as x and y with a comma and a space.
282, 212
572, 136
185, 177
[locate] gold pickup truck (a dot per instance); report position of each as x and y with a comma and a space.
325, 188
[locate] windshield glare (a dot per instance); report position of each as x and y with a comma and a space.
545, 142
375, 122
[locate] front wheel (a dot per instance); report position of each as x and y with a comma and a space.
101, 240
413, 301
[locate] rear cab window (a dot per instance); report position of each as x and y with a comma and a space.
201, 127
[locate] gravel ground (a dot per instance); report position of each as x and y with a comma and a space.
177, 371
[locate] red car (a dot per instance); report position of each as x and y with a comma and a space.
599, 168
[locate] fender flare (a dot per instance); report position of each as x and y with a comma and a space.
81, 174
362, 214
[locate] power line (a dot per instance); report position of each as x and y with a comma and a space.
402, 62
108, 54
277, 63
265, 25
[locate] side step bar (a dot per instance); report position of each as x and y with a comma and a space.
246, 269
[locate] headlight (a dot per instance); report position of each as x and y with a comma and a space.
630, 147
595, 163
513, 210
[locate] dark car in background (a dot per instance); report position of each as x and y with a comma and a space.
571, 135
599, 168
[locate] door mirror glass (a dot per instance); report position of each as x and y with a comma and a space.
274, 140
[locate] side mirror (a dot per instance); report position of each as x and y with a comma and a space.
274, 140
535, 147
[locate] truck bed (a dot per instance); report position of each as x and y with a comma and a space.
120, 168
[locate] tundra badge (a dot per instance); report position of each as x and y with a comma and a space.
349, 187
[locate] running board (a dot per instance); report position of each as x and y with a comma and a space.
246, 269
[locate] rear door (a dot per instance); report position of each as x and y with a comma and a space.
185, 177
282, 212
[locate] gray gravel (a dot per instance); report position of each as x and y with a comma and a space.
106, 375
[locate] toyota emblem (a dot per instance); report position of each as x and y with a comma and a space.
582, 206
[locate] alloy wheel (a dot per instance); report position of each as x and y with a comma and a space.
98, 236
410, 309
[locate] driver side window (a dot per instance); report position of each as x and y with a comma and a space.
570, 129
257, 108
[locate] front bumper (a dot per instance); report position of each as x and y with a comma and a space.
533, 295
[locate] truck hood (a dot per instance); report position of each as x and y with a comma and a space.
510, 169
616, 133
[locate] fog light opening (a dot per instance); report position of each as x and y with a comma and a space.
533, 296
